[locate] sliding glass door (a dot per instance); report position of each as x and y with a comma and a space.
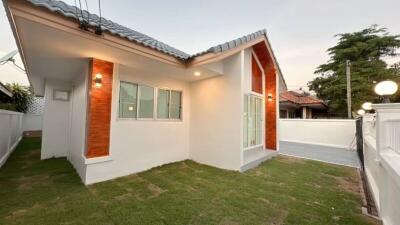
252, 121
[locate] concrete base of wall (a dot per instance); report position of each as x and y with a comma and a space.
257, 159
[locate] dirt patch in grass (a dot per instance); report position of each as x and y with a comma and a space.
191, 189
264, 200
277, 219
228, 221
27, 183
123, 197
22, 212
155, 190
291, 159
349, 184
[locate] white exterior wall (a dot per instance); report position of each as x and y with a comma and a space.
382, 160
10, 133
56, 121
138, 145
210, 132
216, 117
328, 132
77, 143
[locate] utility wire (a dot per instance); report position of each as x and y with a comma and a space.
80, 7
87, 10
100, 14
99, 31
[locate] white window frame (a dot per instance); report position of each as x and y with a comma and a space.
155, 100
138, 104
119, 101
249, 147
137, 101
169, 102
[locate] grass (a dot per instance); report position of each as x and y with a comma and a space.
280, 191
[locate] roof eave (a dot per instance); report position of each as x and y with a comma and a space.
5, 90
40, 15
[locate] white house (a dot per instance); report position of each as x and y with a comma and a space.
118, 102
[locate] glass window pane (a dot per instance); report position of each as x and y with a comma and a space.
146, 102
258, 121
127, 100
175, 104
162, 104
245, 121
252, 122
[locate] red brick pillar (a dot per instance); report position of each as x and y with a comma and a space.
270, 109
99, 108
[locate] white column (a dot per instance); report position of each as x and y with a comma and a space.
304, 112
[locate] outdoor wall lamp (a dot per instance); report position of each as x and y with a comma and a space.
367, 106
385, 89
361, 112
97, 80
269, 97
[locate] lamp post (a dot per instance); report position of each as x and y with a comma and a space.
386, 89
367, 106
361, 112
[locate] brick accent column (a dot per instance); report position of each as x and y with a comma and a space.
270, 109
99, 109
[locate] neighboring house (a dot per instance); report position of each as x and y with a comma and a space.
121, 102
299, 105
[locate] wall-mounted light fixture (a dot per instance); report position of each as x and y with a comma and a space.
269, 97
97, 80
197, 73
386, 89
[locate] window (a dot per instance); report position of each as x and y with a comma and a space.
283, 114
146, 102
169, 104
162, 104
256, 77
128, 100
292, 114
252, 124
136, 101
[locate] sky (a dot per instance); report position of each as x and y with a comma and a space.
300, 31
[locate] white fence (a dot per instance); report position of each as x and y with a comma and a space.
381, 134
32, 122
326, 132
10, 133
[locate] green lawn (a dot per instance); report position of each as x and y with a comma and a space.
280, 191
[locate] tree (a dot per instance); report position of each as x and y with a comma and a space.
21, 98
366, 49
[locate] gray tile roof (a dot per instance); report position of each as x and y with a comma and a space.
234, 43
107, 25
134, 36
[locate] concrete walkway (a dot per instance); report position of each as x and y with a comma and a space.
333, 155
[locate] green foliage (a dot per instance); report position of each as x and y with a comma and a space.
7, 106
282, 190
22, 97
366, 49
